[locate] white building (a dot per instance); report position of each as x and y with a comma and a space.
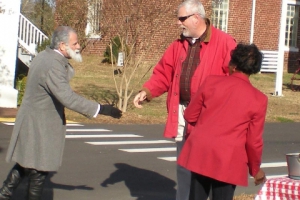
9, 20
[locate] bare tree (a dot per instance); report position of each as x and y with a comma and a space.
75, 13
40, 13
137, 24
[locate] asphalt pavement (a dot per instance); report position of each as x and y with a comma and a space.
132, 162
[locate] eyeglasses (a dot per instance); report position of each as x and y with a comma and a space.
182, 19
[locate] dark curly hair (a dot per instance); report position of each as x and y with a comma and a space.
247, 58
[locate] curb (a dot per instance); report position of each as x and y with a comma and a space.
9, 119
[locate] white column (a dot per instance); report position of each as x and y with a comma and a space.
9, 20
252, 21
281, 44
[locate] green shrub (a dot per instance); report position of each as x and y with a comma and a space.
20, 86
116, 46
43, 45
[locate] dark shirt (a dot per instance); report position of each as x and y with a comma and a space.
189, 66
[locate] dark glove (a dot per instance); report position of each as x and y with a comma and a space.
110, 111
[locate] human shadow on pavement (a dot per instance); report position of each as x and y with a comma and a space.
143, 184
48, 193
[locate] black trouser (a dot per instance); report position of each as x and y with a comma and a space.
200, 188
36, 180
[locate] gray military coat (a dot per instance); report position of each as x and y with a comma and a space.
38, 136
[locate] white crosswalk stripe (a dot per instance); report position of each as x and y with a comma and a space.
89, 130
263, 165
173, 158
276, 176
149, 150
130, 142
102, 136
79, 133
274, 164
68, 124
273, 176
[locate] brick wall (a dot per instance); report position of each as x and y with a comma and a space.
267, 24
159, 33
239, 20
266, 27
75, 16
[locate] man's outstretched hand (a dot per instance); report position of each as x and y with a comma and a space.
109, 110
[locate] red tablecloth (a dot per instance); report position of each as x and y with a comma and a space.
282, 188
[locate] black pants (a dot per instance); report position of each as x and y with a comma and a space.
200, 188
36, 180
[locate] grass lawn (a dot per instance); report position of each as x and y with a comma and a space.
93, 80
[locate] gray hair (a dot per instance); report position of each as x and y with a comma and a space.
61, 34
193, 7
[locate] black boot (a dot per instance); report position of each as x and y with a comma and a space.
12, 181
36, 184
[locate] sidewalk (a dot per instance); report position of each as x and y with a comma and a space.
8, 114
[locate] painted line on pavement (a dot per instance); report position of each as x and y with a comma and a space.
68, 124
173, 158
7, 119
129, 142
101, 136
149, 150
273, 176
263, 165
89, 130
273, 164
277, 176
9, 123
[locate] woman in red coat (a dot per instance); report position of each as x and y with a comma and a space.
228, 114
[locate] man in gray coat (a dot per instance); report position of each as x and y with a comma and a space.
38, 137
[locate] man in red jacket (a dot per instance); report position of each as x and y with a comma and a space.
201, 51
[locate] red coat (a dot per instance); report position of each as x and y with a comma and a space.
214, 56
227, 139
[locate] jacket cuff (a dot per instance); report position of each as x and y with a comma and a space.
149, 96
253, 171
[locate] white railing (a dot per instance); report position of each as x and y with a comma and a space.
270, 61
29, 35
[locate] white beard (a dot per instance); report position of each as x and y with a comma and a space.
185, 32
75, 55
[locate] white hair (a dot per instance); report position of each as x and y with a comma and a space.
193, 7
61, 34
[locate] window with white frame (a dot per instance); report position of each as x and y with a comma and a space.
93, 24
291, 29
219, 15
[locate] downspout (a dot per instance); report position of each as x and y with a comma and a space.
252, 21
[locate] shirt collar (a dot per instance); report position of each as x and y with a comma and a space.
58, 55
58, 52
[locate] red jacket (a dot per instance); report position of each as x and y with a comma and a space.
214, 56
227, 139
